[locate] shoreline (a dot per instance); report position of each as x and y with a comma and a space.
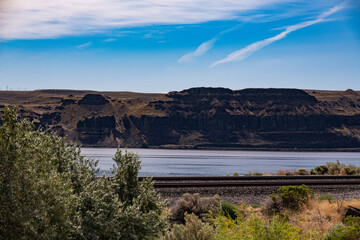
234, 149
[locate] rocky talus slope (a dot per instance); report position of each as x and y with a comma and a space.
197, 117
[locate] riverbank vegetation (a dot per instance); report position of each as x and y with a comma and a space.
330, 168
48, 190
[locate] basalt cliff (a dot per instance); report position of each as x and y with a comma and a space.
197, 118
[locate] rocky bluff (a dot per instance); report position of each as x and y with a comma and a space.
199, 117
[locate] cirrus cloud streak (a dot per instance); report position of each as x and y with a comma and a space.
205, 46
250, 49
42, 19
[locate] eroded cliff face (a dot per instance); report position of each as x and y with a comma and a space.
198, 117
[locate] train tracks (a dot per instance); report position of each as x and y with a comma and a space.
248, 181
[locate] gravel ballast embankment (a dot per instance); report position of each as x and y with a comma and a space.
254, 194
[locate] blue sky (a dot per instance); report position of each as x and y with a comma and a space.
167, 45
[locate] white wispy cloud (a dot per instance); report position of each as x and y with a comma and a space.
110, 40
41, 19
85, 45
201, 50
250, 49
205, 46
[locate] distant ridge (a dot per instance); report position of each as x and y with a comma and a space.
221, 118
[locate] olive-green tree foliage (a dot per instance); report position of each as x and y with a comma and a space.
121, 207
48, 190
36, 199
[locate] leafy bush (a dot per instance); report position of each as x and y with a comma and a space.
229, 210
321, 170
342, 232
290, 197
351, 220
293, 196
194, 229
303, 172
350, 169
200, 206
335, 168
50, 191
349, 231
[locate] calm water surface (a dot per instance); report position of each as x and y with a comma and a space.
165, 162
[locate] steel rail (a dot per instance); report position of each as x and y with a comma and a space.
244, 181
248, 184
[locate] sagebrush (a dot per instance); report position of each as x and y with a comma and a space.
193, 203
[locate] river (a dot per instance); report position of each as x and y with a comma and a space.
167, 162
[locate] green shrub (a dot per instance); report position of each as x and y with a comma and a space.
236, 174
321, 170
50, 191
290, 197
194, 229
335, 168
342, 232
200, 206
294, 196
349, 231
351, 221
303, 172
350, 169
229, 210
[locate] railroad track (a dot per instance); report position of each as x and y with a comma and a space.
245, 181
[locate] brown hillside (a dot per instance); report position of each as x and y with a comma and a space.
197, 117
